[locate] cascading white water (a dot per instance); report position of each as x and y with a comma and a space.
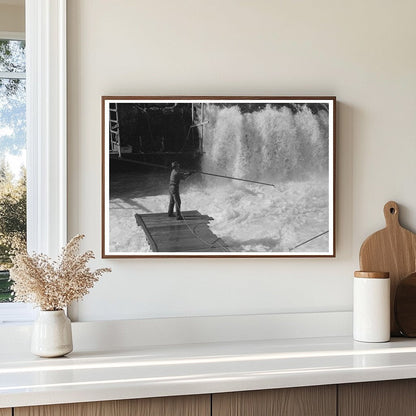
274, 143
284, 145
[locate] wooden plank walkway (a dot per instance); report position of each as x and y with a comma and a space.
167, 234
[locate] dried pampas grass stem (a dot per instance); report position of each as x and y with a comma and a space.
53, 285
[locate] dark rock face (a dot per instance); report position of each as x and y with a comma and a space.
154, 128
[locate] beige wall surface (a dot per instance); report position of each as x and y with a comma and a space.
363, 52
12, 18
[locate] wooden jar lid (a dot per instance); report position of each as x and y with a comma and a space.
372, 275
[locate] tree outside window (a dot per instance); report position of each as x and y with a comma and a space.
12, 156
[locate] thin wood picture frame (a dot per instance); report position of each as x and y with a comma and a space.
218, 176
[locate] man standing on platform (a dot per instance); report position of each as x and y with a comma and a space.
175, 200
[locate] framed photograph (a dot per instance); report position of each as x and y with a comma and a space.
218, 176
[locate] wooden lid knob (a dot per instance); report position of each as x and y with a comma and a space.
372, 275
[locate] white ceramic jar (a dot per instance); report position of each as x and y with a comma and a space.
371, 322
52, 334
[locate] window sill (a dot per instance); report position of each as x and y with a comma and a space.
16, 313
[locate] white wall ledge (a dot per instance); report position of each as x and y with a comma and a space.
122, 334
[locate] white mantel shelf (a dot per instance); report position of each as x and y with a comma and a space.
151, 371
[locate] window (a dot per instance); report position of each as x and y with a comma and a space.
12, 165
12, 155
46, 134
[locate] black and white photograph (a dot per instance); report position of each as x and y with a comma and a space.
218, 176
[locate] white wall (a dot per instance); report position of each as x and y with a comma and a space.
361, 51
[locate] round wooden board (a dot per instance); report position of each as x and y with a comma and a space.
393, 250
405, 306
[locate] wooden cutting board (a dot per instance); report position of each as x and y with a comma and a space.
393, 250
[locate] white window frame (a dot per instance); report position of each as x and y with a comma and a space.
46, 125
46, 90
14, 312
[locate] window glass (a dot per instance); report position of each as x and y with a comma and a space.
12, 156
12, 56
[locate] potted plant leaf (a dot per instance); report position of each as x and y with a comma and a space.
52, 286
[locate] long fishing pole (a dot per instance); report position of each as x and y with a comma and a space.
307, 241
195, 171
230, 177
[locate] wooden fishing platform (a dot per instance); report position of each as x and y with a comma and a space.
167, 234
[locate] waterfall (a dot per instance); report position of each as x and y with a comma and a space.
275, 143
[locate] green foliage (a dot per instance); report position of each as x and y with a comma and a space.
12, 213
12, 59
12, 55
6, 294
12, 142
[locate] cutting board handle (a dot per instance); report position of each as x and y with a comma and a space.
391, 214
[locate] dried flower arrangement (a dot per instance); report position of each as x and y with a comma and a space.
53, 285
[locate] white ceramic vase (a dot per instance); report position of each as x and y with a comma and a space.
52, 334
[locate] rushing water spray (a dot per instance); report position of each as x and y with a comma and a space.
274, 143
